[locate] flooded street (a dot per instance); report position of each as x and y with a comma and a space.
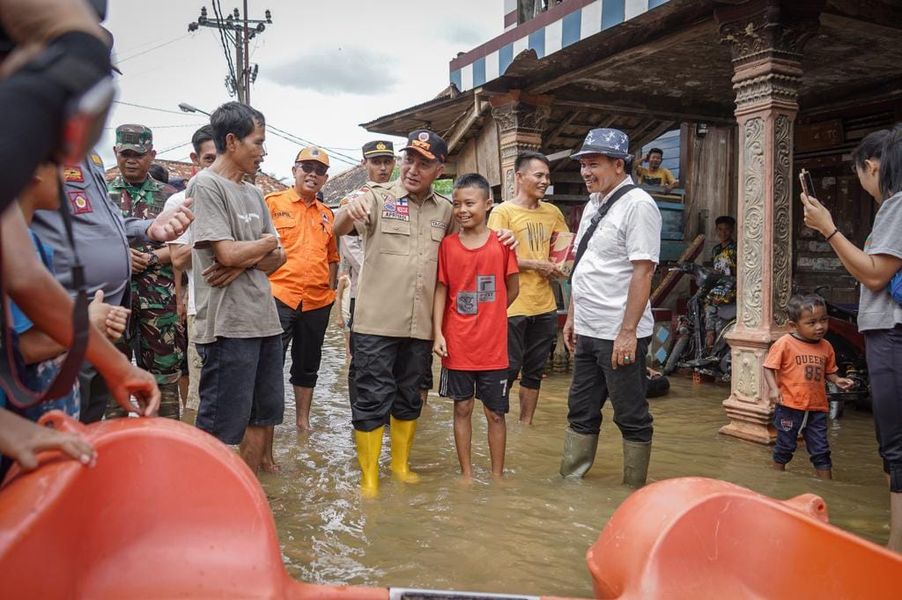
528, 534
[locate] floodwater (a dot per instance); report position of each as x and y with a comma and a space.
529, 533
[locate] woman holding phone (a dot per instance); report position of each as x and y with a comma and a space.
878, 164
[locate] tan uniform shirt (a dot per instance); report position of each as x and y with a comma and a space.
400, 262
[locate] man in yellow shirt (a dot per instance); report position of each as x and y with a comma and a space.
532, 318
655, 174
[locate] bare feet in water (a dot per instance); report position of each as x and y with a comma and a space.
269, 466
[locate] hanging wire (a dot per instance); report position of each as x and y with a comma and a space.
286, 135
173, 112
224, 40
119, 61
152, 127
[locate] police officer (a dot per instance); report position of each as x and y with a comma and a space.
102, 237
154, 332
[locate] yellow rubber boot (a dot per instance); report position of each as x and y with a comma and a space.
369, 445
401, 441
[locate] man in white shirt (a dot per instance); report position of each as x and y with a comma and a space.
180, 250
609, 323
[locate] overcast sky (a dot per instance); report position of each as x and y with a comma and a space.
325, 67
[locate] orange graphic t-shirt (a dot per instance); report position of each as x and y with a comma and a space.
802, 368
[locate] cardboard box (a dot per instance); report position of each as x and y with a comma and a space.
563, 252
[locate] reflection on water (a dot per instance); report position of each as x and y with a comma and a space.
528, 534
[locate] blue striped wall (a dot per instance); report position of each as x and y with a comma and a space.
571, 28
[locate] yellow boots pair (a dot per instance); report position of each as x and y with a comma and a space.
369, 446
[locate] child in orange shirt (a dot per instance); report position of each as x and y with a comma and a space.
795, 370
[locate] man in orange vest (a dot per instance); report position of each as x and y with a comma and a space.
304, 286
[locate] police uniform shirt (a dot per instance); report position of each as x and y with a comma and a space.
400, 263
101, 235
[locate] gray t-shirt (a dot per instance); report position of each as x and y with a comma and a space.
878, 310
225, 210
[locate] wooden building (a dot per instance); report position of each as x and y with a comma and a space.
758, 88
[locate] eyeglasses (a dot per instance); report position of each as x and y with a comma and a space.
317, 168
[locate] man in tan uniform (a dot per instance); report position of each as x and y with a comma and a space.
379, 162
402, 224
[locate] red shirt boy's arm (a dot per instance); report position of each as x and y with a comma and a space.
443, 261
512, 282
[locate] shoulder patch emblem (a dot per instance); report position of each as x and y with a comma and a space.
79, 203
74, 175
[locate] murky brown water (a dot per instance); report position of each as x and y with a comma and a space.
528, 534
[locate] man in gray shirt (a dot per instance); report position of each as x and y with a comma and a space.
237, 326
101, 237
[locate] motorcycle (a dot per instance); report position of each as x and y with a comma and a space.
689, 349
848, 346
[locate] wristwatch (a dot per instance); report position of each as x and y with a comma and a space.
154, 260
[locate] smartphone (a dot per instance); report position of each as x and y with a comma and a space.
807, 183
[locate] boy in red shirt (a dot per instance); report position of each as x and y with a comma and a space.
803, 359
477, 281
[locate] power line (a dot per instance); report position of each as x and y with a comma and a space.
217, 10
119, 61
235, 29
296, 140
174, 112
286, 135
171, 148
168, 126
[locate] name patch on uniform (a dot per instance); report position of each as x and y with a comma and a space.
74, 175
79, 203
281, 214
395, 209
439, 224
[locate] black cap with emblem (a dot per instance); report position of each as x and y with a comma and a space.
428, 143
378, 148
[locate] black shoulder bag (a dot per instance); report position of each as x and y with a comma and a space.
593, 225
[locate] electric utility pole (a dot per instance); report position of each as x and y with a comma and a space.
235, 31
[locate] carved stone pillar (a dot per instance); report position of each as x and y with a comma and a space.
766, 39
521, 120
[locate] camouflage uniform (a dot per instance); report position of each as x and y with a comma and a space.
155, 335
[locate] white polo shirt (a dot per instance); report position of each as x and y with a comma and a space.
630, 231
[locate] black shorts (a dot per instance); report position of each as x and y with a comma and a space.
488, 386
241, 384
529, 342
305, 332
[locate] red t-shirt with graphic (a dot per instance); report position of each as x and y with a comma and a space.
802, 368
475, 321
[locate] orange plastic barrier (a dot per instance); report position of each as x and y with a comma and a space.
167, 512
703, 538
